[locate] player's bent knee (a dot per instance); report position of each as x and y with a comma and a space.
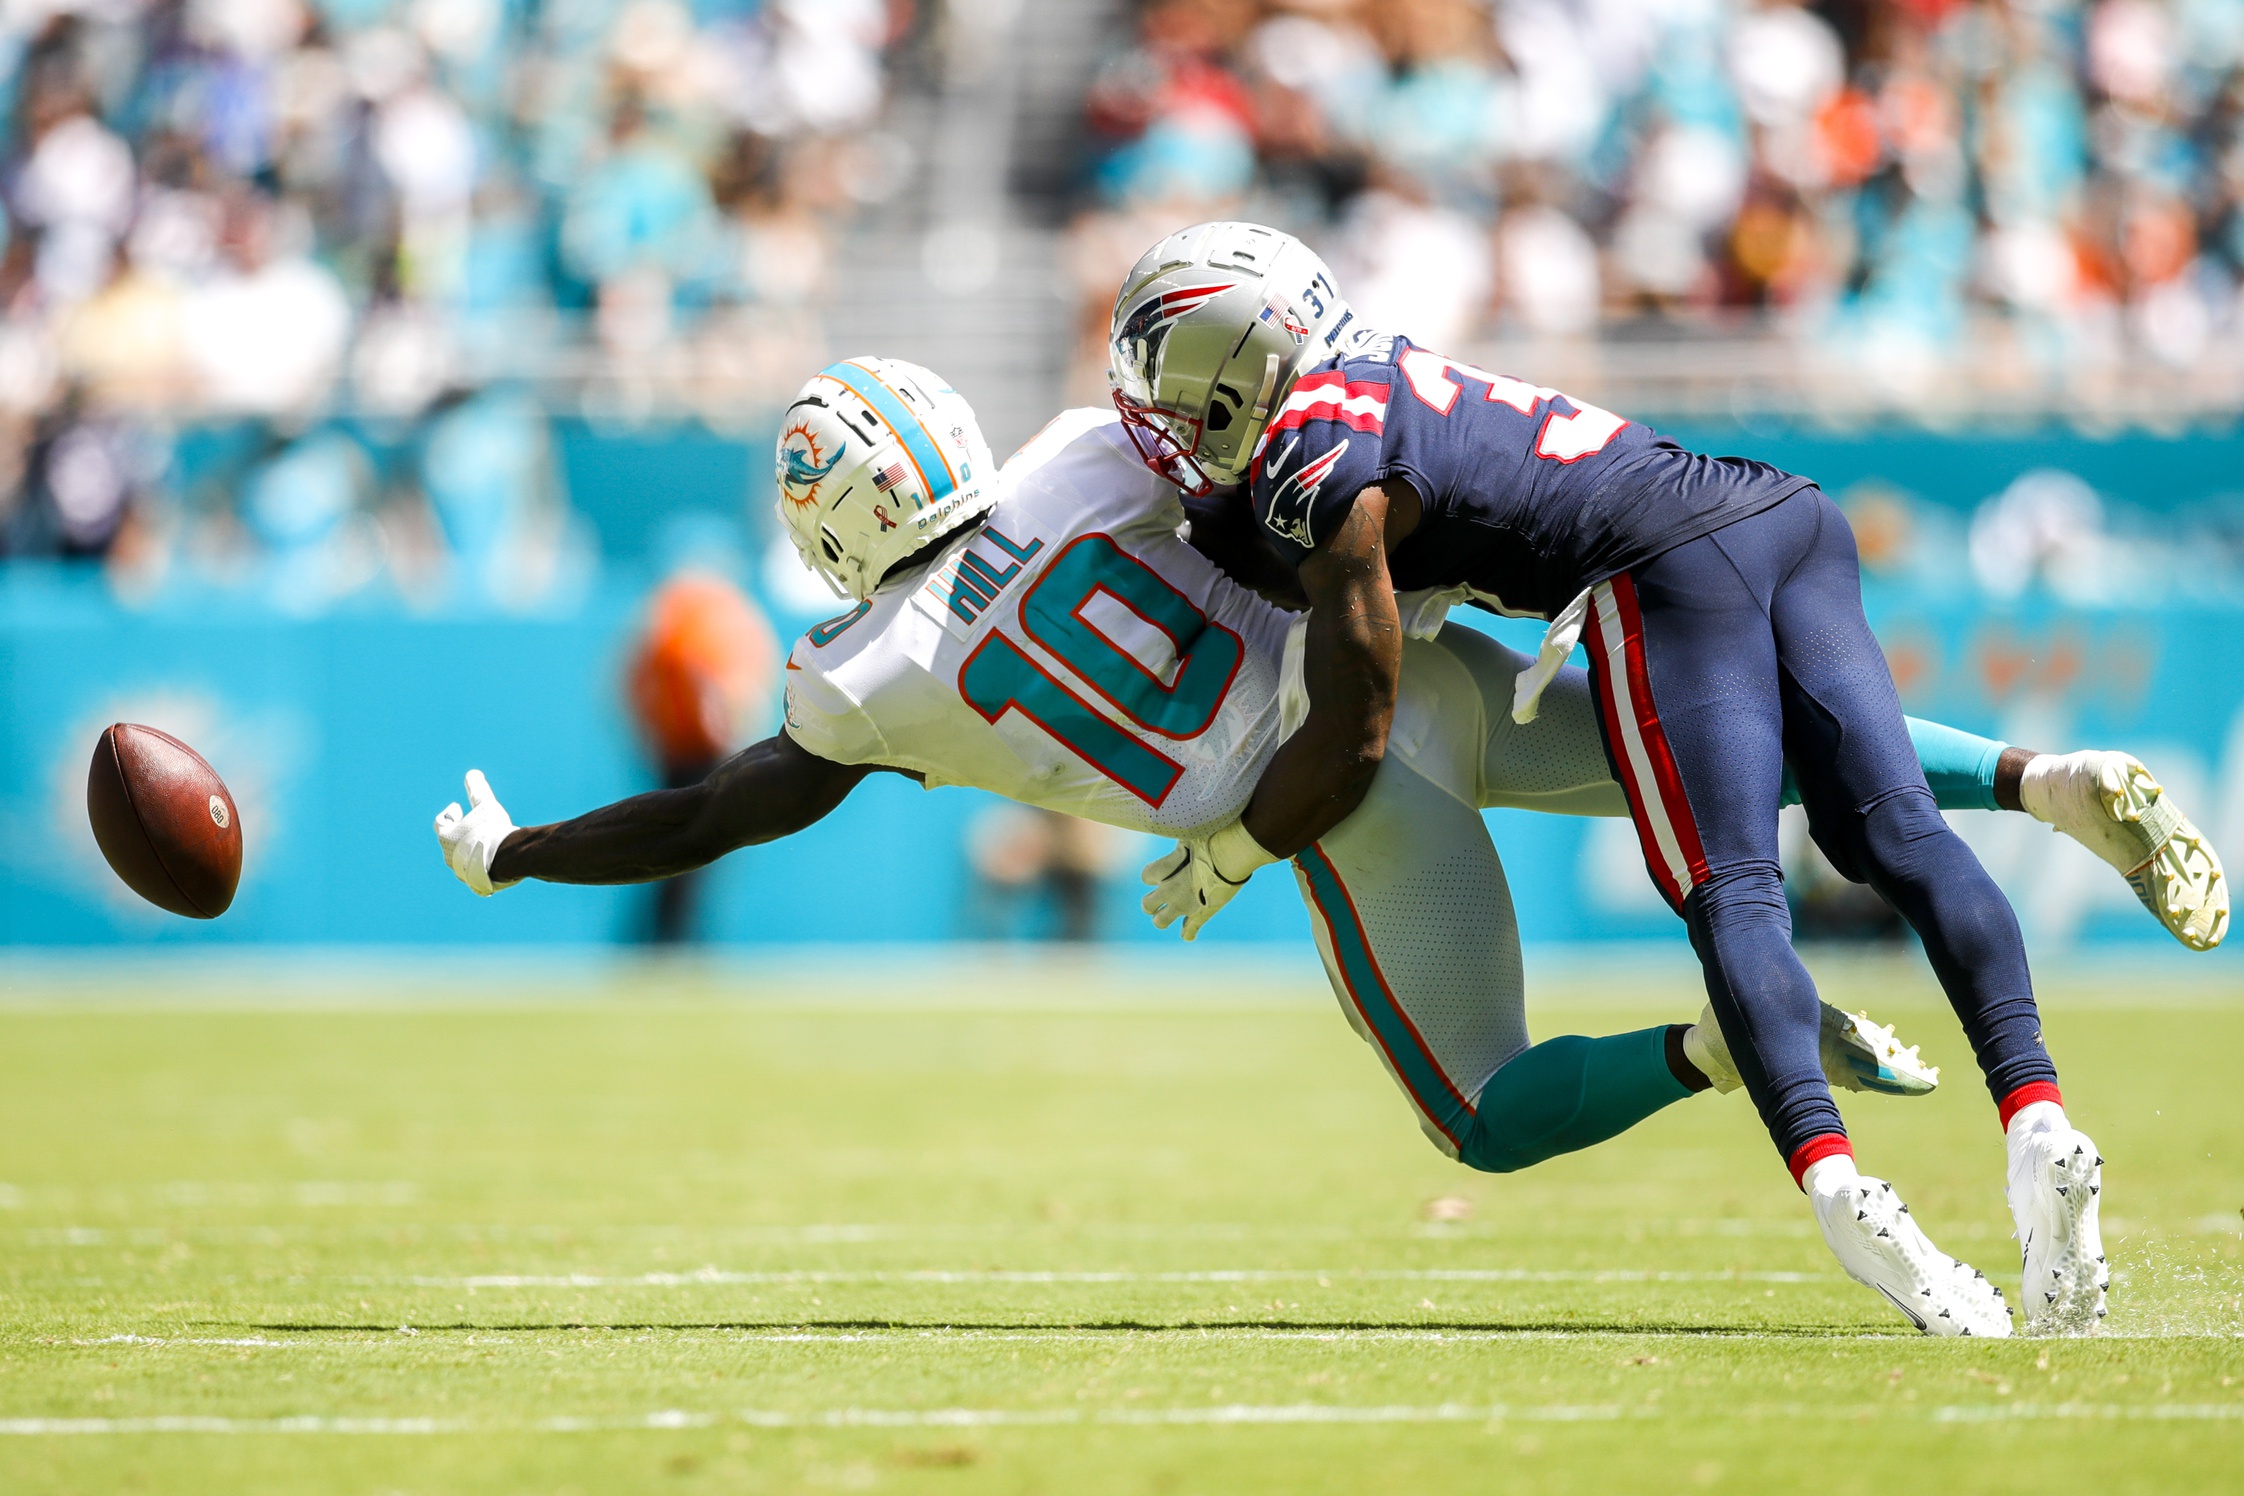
1566, 1094
1905, 837
1741, 892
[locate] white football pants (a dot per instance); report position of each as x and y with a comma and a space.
1407, 896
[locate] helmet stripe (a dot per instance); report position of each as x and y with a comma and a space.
934, 469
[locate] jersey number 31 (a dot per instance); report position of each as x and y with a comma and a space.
1569, 438
1000, 676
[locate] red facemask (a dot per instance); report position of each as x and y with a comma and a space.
1159, 447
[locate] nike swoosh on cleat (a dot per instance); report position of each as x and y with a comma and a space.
1914, 1317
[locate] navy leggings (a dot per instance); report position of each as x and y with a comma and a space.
1715, 664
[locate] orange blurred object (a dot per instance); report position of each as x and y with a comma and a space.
2159, 241
701, 669
1847, 138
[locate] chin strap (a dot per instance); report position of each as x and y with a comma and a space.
1269, 388
1258, 418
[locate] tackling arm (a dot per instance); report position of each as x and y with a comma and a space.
1352, 664
770, 790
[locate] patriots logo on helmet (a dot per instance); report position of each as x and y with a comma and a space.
1147, 325
1293, 500
800, 470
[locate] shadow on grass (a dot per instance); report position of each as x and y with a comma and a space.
1095, 1327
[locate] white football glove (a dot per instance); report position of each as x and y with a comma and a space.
472, 839
1198, 878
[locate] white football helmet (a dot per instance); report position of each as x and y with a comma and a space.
1213, 326
878, 458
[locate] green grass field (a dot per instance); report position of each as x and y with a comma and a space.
1033, 1228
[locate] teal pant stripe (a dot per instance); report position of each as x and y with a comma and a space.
1960, 766
1406, 1050
925, 455
1567, 1093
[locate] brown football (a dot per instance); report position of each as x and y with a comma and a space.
164, 820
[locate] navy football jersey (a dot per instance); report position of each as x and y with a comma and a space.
1529, 496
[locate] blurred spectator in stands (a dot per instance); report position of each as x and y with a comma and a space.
78, 481
264, 211
73, 190
1891, 181
1173, 130
487, 466
808, 66
308, 508
1036, 873
776, 259
699, 683
266, 332
639, 225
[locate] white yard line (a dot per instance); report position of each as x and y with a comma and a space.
1435, 1334
191, 1424
1324, 1277
2007, 1412
1432, 1334
176, 1340
357, 1336
1222, 1415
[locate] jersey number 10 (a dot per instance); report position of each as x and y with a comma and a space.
1000, 676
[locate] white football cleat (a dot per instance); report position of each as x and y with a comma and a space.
2056, 1181
2109, 803
1858, 1055
1880, 1245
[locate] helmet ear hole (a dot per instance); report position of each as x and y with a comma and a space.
1221, 409
830, 545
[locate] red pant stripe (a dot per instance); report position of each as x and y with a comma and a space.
1668, 777
1662, 813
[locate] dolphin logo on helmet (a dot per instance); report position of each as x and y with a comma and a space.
800, 471
876, 460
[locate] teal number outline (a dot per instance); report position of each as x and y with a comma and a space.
1186, 648
991, 704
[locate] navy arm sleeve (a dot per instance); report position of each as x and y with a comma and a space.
1308, 480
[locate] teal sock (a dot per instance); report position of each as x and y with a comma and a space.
1567, 1093
1959, 766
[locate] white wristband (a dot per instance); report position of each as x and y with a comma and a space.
1234, 854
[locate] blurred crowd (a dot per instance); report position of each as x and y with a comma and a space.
230, 218
1908, 179
224, 222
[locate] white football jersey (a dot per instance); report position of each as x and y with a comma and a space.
1072, 652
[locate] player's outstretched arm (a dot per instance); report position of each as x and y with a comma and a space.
772, 789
